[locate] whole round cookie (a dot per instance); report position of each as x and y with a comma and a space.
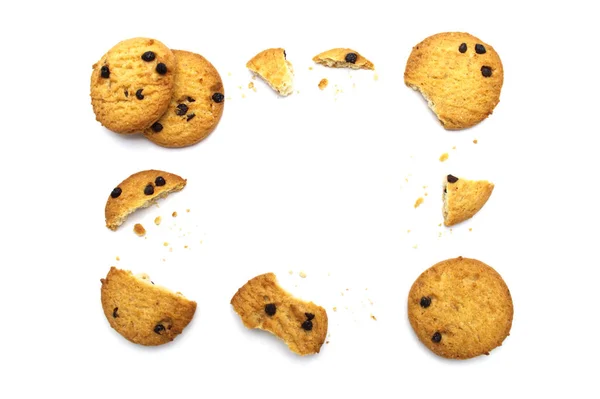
141, 311
131, 85
196, 103
459, 75
460, 308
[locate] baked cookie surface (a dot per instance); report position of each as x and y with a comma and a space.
262, 303
459, 75
142, 312
460, 308
464, 198
139, 190
273, 67
343, 58
131, 85
196, 104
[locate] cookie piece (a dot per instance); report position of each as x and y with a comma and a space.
459, 75
343, 58
464, 198
131, 85
460, 308
273, 67
262, 303
142, 312
139, 190
196, 104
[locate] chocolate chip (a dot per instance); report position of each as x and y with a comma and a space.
161, 68
445, 191
218, 97
139, 94
190, 99
270, 309
307, 325
149, 189
452, 179
105, 72
486, 71
115, 315
159, 328
148, 56
479, 49
437, 337
309, 316
126, 93
462, 48
156, 127
284, 55
116, 192
351, 58
190, 116
425, 302
181, 110
160, 181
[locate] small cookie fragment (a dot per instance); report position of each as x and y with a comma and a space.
142, 312
460, 308
343, 58
128, 91
139, 230
273, 67
460, 77
262, 303
140, 190
463, 198
323, 83
196, 104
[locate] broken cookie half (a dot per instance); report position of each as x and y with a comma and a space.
273, 67
464, 198
262, 303
343, 58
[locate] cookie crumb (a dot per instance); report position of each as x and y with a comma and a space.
157, 220
118, 258
139, 230
323, 84
310, 68
373, 317
251, 86
375, 77
327, 342
335, 308
302, 274
166, 244
470, 229
415, 246
475, 141
188, 210
419, 202
185, 246
443, 157
174, 214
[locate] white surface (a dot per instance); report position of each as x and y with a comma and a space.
317, 182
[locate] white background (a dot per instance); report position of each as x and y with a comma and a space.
322, 182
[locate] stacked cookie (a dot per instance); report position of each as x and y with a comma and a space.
174, 98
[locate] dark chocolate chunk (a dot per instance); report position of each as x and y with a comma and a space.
160, 181
181, 109
351, 58
462, 48
105, 72
161, 68
452, 179
309, 316
156, 127
437, 337
159, 328
307, 325
479, 49
190, 99
139, 94
149, 189
190, 116
115, 315
148, 56
425, 302
126, 93
270, 309
486, 71
116, 192
218, 97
